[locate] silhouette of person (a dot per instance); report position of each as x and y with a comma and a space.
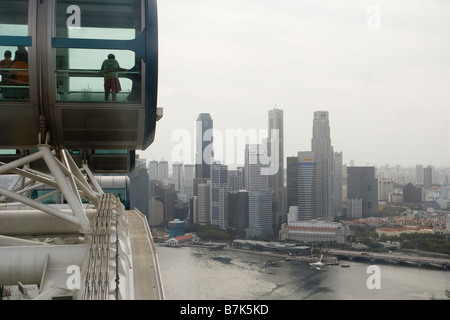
109, 70
19, 67
4, 64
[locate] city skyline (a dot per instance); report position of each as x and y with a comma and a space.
386, 89
181, 144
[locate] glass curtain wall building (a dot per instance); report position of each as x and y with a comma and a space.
307, 202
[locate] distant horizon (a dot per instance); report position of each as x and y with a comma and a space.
380, 68
148, 151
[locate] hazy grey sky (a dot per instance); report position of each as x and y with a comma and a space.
381, 68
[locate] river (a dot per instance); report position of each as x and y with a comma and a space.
190, 273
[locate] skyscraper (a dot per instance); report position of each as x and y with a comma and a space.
255, 161
188, 181
178, 176
277, 180
163, 171
307, 202
419, 174
362, 184
203, 207
428, 177
259, 197
219, 195
153, 170
321, 146
259, 214
292, 181
139, 187
337, 183
204, 146
238, 212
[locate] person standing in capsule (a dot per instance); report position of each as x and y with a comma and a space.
109, 70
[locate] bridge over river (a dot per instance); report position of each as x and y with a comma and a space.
392, 258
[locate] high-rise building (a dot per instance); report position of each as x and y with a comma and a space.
188, 180
219, 195
178, 176
203, 214
277, 180
204, 146
255, 163
292, 181
156, 215
362, 184
307, 202
428, 177
321, 146
337, 184
139, 187
153, 170
419, 174
163, 171
235, 180
238, 213
259, 215
166, 194
260, 223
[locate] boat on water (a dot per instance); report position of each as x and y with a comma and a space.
345, 265
318, 264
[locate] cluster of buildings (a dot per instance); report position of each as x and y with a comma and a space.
263, 199
301, 197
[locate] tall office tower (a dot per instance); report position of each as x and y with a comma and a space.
337, 184
385, 187
292, 181
188, 181
362, 184
238, 212
277, 180
419, 174
163, 171
153, 170
139, 191
307, 202
241, 171
260, 196
235, 180
259, 215
428, 177
156, 214
177, 176
204, 146
321, 146
255, 163
219, 195
203, 210
166, 194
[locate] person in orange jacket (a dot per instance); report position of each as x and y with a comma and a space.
19, 68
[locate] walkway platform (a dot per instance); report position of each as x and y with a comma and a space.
146, 275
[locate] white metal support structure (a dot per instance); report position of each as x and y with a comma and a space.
65, 177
